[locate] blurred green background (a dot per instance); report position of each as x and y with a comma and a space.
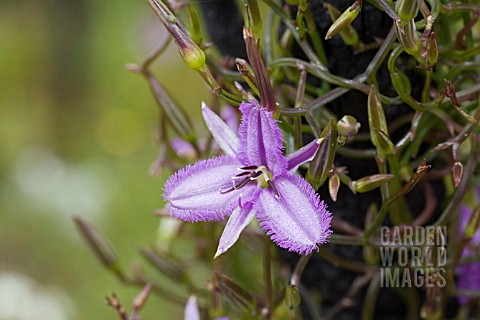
77, 137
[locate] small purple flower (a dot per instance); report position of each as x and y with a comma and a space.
191, 309
252, 179
469, 273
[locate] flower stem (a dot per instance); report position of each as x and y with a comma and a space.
298, 271
267, 276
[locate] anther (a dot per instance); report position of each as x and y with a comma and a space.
255, 175
242, 174
271, 185
243, 183
248, 168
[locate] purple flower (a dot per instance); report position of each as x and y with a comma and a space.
191, 309
253, 179
469, 273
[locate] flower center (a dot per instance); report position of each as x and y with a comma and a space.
252, 173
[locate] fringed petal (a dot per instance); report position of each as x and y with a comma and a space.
297, 220
260, 139
193, 193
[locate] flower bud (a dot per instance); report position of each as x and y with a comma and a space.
333, 185
267, 97
194, 24
402, 85
192, 55
407, 36
369, 183
141, 298
348, 126
240, 297
166, 266
322, 162
348, 34
407, 9
344, 21
457, 171
292, 297
253, 19
98, 244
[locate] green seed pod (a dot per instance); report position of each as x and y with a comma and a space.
383, 143
369, 183
473, 223
194, 57
378, 123
376, 115
292, 297
407, 9
165, 265
432, 49
407, 36
344, 21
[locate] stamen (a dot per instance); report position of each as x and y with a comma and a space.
270, 183
242, 174
226, 190
248, 168
255, 175
243, 183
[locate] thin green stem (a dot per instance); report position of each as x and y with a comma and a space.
267, 277
295, 278
421, 170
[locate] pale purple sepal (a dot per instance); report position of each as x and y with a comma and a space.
239, 219
229, 115
261, 141
191, 309
224, 136
302, 155
298, 220
194, 192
